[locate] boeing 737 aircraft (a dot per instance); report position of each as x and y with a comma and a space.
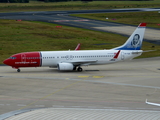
73, 60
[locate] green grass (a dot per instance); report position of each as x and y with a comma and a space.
76, 5
132, 18
25, 36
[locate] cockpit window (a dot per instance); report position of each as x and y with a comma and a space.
12, 57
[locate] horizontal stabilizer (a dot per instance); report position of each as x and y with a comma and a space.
141, 51
149, 50
137, 52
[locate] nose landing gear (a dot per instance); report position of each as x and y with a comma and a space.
18, 70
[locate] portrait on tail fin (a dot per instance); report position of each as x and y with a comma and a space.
136, 41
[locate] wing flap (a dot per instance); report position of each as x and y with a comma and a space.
82, 62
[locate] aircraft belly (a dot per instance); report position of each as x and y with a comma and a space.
49, 62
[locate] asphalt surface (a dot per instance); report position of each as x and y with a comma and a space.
64, 18
122, 86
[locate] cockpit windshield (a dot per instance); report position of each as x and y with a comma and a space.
12, 57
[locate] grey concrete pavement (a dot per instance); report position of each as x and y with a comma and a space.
87, 114
124, 85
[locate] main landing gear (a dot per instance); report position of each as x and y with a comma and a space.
79, 69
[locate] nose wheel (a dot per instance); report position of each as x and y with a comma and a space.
18, 70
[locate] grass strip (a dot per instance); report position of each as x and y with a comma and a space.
76, 5
132, 18
26, 36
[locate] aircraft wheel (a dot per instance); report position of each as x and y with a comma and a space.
79, 69
18, 70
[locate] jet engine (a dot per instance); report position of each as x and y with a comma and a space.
65, 66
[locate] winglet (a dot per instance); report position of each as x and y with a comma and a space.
150, 103
142, 25
117, 54
78, 46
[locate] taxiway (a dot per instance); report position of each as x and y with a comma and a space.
123, 86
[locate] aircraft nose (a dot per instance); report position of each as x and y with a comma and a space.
6, 62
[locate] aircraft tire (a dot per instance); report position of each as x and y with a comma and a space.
79, 69
18, 70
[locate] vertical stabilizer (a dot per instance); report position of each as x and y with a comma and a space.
134, 42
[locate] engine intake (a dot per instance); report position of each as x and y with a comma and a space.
65, 66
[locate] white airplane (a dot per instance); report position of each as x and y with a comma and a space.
73, 60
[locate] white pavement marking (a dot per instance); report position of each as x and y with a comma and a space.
69, 20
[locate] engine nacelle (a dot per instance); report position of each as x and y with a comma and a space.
65, 66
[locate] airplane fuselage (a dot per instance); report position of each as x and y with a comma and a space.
81, 57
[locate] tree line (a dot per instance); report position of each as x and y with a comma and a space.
27, 1
14, 1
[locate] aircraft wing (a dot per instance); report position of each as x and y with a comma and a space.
150, 103
87, 62
83, 62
